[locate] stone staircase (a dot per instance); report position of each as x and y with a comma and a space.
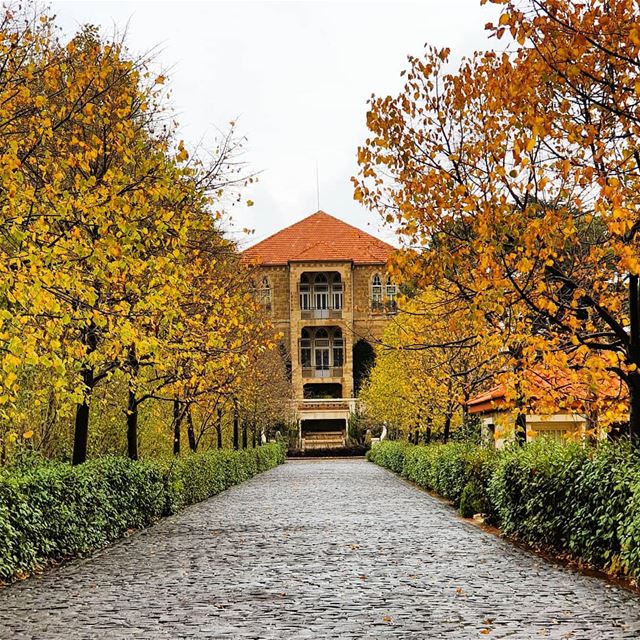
324, 440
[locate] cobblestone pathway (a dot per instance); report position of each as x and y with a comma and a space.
316, 549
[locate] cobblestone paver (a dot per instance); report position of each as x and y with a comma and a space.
317, 549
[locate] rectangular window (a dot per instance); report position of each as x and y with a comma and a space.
305, 352
322, 359
321, 300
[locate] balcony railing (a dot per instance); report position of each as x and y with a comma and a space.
384, 306
324, 372
326, 404
313, 313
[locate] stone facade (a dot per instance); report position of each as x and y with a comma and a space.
316, 279
356, 319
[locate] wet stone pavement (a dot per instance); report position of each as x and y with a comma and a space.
316, 549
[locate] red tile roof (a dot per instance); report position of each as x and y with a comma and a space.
489, 400
538, 385
319, 237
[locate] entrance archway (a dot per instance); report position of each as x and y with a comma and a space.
364, 358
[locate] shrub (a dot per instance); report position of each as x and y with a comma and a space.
445, 469
575, 498
473, 499
51, 511
389, 454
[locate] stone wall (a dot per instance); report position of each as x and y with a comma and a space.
357, 321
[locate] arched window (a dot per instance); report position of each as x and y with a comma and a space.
376, 293
338, 348
322, 350
391, 292
305, 292
265, 294
321, 345
321, 291
305, 348
336, 292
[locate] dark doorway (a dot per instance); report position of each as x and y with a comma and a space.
364, 358
322, 426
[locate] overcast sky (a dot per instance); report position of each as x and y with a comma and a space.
295, 75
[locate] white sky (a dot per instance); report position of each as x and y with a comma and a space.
295, 75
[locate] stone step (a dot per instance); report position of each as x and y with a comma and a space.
324, 440
324, 434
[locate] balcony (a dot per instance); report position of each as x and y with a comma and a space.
323, 372
326, 404
388, 306
320, 295
315, 314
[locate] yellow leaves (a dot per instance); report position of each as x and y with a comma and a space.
531, 143
27, 435
160, 79
10, 379
183, 154
250, 203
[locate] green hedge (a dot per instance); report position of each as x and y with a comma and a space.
574, 498
53, 511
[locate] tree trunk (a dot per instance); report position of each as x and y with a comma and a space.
193, 445
447, 428
81, 432
132, 407
521, 427
253, 435
236, 432
427, 435
177, 421
132, 425
633, 381
219, 428
634, 408
465, 413
244, 434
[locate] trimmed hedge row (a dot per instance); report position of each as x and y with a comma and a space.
53, 510
574, 498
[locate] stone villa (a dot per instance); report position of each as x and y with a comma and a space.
325, 284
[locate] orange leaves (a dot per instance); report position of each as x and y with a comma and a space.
518, 178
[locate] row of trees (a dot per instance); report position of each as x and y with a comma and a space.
428, 365
117, 286
514, 182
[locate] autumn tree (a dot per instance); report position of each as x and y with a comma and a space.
429, 363
113, 265
515, 181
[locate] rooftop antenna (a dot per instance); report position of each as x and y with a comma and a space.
317, 186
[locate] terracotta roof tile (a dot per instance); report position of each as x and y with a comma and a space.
539, 383
319, 237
